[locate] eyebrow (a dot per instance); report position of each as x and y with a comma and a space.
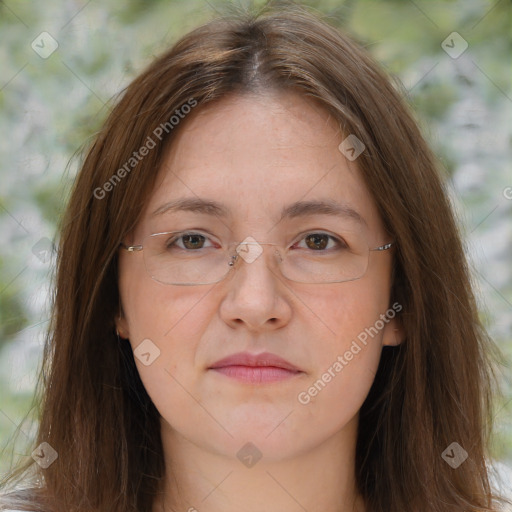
294, 210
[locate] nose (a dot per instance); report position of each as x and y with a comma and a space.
256, 296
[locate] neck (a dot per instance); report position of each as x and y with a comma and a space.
320, 478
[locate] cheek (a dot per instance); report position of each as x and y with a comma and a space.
347, 359
164, 322
341, 312
336, 395
174, 322
157, 311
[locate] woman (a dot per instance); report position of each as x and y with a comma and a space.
262, 301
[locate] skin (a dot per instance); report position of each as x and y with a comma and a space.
256, 154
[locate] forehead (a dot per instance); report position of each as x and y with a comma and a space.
257, 155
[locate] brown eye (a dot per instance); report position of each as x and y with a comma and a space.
320, 241
186, 241
317, 241
193, 241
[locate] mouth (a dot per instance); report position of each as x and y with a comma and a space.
256, 369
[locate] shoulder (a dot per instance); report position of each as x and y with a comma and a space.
3, 509
17, 502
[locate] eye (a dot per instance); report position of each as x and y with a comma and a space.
319, 241
189, 241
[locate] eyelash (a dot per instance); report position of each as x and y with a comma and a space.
341, 243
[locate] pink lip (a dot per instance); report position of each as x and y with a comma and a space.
260, 368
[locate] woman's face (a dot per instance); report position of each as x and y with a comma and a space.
256, 156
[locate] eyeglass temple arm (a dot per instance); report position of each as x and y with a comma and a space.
384, 247
131, 248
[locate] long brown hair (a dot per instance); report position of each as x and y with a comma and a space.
433, 390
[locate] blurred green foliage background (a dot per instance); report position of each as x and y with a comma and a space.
51, 106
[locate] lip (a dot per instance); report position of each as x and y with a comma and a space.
255, 368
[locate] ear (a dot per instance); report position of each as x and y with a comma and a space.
122, 325
393, 332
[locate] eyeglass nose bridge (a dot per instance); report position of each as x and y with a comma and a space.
247, 255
